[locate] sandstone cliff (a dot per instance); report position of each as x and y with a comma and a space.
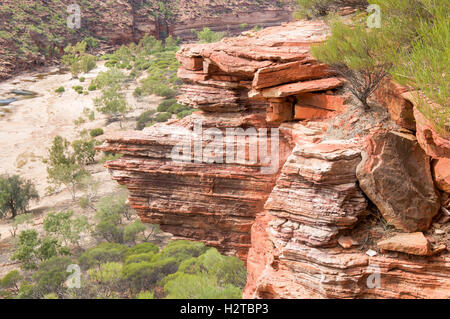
352, 210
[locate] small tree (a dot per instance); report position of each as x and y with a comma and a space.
65, 166
65, 227
11, 281
77, 59
15, 195
112, 103
357, 55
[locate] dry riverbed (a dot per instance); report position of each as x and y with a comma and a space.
29, 125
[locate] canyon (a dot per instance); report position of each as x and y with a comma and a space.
119, 22
359, 207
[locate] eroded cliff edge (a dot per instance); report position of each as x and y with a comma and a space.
358, 207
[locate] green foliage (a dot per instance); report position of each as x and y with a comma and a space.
91, 43
11, 281
92, 87
96, 132
163, 117
145, 295
78, 60
411, 45
182, 250
209, 36
111, 78
26, 291
143, 275
186, 286
31, 249
106, 274
82, 79
78, 89
357, 55
164, 105
65, 165
143, 248
15, 195
209, 276
64, 227
112, 102
145, 119
185, 113
103, 253
423, 62
316, 8
51, 276
25, 252
61, 89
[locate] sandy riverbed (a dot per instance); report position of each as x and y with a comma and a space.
28, 127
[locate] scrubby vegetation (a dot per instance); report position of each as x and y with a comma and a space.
15, 195
78, 60
129, 264
209, 36
410, 46
66, 163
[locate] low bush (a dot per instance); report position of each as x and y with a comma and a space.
96, 132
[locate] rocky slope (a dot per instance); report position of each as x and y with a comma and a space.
352, 210
35, 32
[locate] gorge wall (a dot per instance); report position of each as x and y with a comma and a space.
33, 33
357, 206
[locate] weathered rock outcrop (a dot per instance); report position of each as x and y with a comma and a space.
303, 229
395, 174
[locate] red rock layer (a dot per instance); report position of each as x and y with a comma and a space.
296, 215
209, 202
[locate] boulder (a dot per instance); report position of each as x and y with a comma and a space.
441, 171
289, 72
302, 87
435, 144
395, 174
389, 94
410, 243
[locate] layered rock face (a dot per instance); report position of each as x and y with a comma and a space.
305, 227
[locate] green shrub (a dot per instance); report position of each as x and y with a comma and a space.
137, 92
164, 90
78, 89
60, 89
96, 132
182, 250
186, 286
143, 275
145, 295
144, 119
82, 79
163, 117
185, 113
165, 105
51, 276
15, 195
209, 36
103, 253
138, 258
143, 248
92, 87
